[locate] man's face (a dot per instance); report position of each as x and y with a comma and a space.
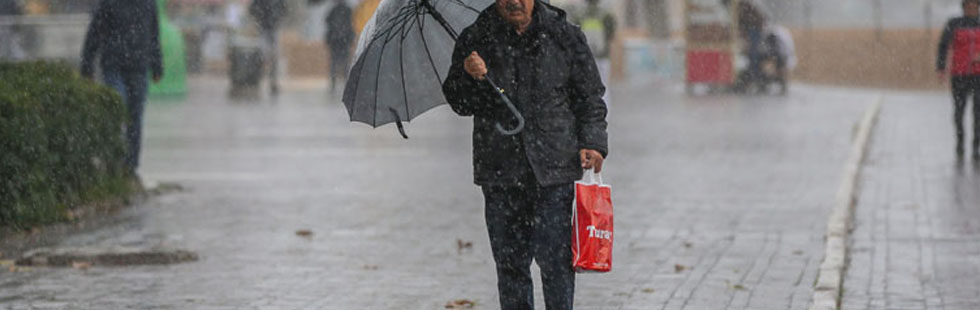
971, 8
516, 12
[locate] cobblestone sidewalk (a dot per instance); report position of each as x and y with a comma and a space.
916, 243
721, 204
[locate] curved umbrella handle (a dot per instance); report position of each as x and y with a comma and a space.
513, 110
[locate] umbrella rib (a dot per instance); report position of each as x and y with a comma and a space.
374, 39
404, 15
464, 5
427, 54
360, 74
377, 82
383, 36
442, 21
396, 23
401, 62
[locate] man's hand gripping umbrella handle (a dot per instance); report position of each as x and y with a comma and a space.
510, 106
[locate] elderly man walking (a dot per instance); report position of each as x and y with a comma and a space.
542, 62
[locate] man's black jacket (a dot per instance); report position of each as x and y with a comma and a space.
127, 34
550, 75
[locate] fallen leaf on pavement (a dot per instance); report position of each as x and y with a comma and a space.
81, 265
649, 290
460, 304
739, 287
304, 233
679, 267
463, 245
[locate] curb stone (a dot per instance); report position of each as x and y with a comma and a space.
111, 256
827, 289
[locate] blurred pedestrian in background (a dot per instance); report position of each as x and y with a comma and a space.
962, 34
340, 35
599, 26
126, 34
751, 26
269, 15
10, 35
543, 64
234, 13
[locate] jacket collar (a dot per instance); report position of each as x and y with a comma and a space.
543, 17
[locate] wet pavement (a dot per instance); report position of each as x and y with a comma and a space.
721, 203
916, 239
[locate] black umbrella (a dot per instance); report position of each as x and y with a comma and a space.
404, 55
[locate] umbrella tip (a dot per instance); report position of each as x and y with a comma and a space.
398, 122
401, 130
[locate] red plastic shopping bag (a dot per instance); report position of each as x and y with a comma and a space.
592, 218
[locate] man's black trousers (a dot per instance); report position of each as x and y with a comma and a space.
532, 222
964, 87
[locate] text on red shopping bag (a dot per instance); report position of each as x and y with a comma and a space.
593, 236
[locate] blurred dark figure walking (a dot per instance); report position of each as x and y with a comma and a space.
962, 37
751, 26
340, 35
544, 65
269, 15
10, 7
599, 27
126, 34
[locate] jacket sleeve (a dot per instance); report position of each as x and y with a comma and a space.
156, 52
586, 90
466, 95
943, 50
94, 39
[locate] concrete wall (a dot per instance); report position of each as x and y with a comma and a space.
858, 57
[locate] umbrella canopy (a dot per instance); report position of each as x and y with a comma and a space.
403, 56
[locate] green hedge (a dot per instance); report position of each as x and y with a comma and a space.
61, 143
